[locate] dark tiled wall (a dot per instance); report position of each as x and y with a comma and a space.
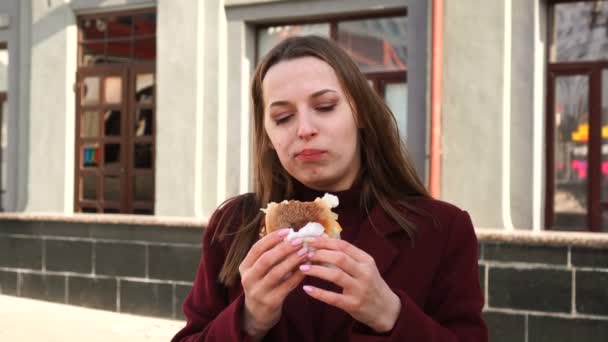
533, 292
538, 293
134, 269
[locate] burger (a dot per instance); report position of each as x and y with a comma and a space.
306, 220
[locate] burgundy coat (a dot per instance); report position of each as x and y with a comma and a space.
436, 278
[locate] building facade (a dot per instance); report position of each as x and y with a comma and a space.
141, 107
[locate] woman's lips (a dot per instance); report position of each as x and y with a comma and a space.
310, 155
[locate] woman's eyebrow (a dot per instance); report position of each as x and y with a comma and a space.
322, 92
278, 103
313, 95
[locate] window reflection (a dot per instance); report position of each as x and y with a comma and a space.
571, 149
111, 188
580, 31
112, 123
143, 187
118, 38
111, 155
271, 36
143, 156
90, 155
375, 44
90, 91
90, 125
113, 89
143, 122
396, 99
604, 166
89, 187
144, 88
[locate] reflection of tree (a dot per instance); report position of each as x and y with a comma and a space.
581, 32
571, 111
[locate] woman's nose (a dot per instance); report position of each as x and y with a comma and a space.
306, 127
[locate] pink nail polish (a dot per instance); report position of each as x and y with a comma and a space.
296, 242
304, 268
283, 232
307, 288
302, 251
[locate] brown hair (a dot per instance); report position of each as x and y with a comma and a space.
387, 174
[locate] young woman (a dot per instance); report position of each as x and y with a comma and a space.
405, 268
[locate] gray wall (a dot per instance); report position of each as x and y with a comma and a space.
492, 130
50, 152
16, 35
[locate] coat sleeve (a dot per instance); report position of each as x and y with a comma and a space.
209, 313
455, 301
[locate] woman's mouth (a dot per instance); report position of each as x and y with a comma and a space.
310, 155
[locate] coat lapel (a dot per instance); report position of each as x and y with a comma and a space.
373, 238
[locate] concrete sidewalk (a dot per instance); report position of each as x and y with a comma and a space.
23, 319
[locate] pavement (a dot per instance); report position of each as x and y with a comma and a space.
23, 319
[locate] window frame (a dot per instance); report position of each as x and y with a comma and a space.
3, 98
126, 170
132, 38
593, 70
378, 78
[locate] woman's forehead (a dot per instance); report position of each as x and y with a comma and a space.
301, 76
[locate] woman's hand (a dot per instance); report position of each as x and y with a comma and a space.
365, 295
267, 276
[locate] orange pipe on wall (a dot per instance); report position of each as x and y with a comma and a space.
436, 70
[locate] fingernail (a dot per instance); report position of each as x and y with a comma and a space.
283, 232
307, 288
304, 268
310, 254
296, 242
302, 251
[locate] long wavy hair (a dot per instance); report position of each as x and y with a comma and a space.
388, 177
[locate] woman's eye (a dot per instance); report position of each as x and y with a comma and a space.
282, 119
326, 108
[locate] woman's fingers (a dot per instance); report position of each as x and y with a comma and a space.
262, 245
331, 274
290, 283
341, 260
272, 257
282, 270
340, 246
329, 297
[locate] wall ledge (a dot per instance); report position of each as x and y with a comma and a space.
123, 219
546, 238
550, 238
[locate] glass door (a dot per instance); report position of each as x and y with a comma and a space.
115, 144
603, 165
101, 139
568, 197
577, 149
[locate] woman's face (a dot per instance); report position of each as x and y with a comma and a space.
310, 124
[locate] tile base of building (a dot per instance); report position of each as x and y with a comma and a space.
548, 289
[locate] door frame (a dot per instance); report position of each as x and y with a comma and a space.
126, 139
3, 98
593, 70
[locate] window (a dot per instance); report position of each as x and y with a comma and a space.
116, 113
3, 122
577, 116
377, 44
